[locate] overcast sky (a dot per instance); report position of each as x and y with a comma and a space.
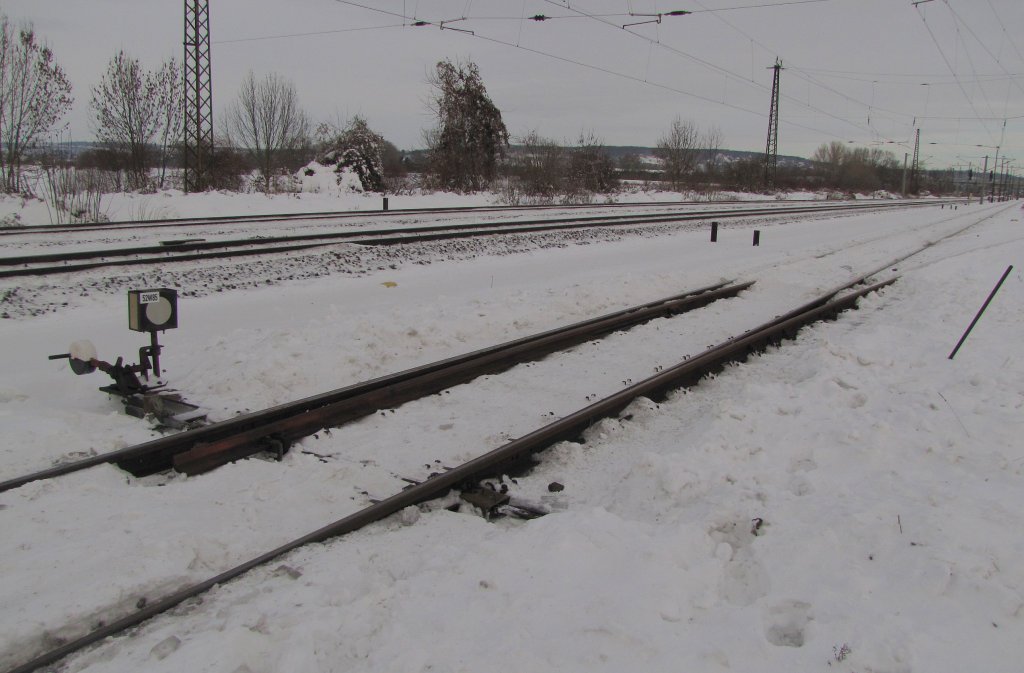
865, 71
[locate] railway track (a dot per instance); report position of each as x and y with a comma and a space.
338, 215
327, 215
203, 449
467, 475
189, 251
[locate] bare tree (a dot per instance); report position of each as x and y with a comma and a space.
710, 144
857, 168
538, 164
745, 174
171, 85
267, 121
831, 156
470, 135
591, 169
679, 151
131, 106
34, 95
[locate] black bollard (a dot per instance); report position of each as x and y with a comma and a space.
714, 232
385, 203
757, 238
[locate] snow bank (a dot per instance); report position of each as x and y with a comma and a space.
335, 180
848, 502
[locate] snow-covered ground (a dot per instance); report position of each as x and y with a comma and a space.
170, 204
888, 478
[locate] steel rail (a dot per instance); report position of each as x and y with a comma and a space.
274, 245
191, 246
204, 457
341, 214
386, 391
570, 427
736, 348
322, 215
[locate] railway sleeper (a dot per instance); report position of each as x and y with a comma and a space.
523, 452
528, 445
210, 455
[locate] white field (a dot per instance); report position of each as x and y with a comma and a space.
888, 477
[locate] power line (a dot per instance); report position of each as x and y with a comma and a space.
972, 119
967, 54
310, 34
951, 69
934, 80
549, 17
440, 24
981, 43
810, 80
679, 52
805, 74
770, 4
714, 67
1007, 35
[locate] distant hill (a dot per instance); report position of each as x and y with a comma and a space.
724, 156
647, 154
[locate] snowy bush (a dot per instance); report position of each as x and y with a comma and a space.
318, 178
73, 195
356, 149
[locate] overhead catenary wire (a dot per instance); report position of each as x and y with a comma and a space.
307, 34
800, 73
717, 68
805, 74
759, 6
880, 76
703, 62
631, 13
982, 44
438, 23
1006, 35
967, 54
878, 112
952, 70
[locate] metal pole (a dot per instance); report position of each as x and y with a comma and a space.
155, 351
982, 310
771, 152
915, 167
992, 196
984, 174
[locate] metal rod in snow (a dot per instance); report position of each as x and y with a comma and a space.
981, 310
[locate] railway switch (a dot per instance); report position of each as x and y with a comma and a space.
148, 311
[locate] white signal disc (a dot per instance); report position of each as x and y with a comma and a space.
159, 312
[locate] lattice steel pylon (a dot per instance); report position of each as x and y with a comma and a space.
771, 150
915, 166
198, 96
